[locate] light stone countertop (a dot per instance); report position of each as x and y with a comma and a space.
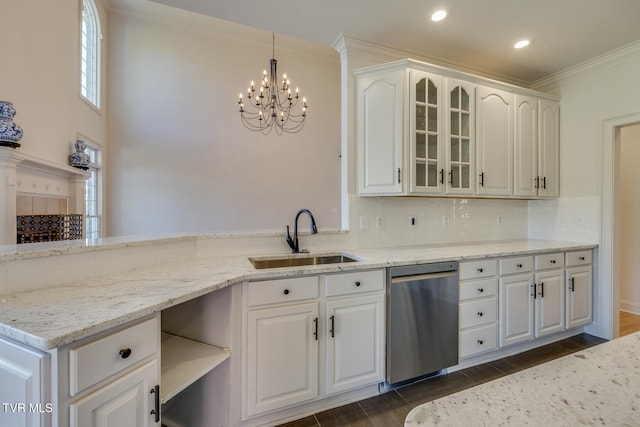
50, 318
596, 386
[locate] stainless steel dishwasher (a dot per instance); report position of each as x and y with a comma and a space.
422, 320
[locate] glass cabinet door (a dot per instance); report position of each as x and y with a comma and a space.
427, 172
460, 138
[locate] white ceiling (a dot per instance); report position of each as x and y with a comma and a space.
477, 35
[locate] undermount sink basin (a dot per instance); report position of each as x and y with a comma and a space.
301, 260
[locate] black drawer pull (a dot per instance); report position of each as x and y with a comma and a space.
125, 352
553, 261
357, 284
519, 265
480, 342
286, 292
332, 328
480, 314
156, 398
481, 290
480, 270
581, 258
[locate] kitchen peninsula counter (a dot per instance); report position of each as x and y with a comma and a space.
52, 317
596, 386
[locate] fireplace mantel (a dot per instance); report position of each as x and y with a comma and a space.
22, 173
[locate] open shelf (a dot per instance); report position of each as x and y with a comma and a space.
184, 361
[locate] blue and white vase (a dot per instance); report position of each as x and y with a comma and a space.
10, 133
80, 159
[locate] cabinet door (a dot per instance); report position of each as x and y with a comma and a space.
549, 302
549, 149
425, 124
24, 389
380, 122
526, 147
516, 309
126, 401
282, 357
460, 137
579, 296
355, 342
494, 152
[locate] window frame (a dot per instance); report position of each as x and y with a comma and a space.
91, 91
96, 171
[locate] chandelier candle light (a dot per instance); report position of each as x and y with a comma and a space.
272, 105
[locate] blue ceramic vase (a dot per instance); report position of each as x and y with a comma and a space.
10, 133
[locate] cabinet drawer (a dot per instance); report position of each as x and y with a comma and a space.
514, 265
578, 258
478, 340
478, 312
478, 289
549, 261
356, 282
477, 269
282, 290
98, 360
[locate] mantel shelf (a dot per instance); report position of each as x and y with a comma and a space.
184, 362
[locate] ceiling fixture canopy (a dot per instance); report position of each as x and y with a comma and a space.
272, 105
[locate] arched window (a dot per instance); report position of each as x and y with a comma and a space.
90, 37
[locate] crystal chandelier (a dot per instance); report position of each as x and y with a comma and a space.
272, 105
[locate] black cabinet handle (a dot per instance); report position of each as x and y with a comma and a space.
480, 270
357, 284
156, 410
537, 184
482, 179
553, 261
541, 293
581, 258
519, 265
286, 292
450, 173
125, 353
398, 175
315, 328
480, 314
481, 290
331, 328
480, 342
544, 182
573, 284
534, 291
441, 176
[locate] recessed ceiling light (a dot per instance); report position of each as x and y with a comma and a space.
438, 15
521, 43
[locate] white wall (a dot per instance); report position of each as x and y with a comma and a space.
180, 158
628, 206
40, 75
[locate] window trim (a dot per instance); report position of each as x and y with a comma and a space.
98, 167
97, 84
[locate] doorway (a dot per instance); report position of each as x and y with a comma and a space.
627, 239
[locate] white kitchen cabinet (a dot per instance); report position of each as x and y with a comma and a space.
460, 137
549, 300
354, 350
537, 147
549, 149
426, 132
380, 131
282, 357
24, 385
516, 308
128, 401
579, 288
494, 142
478, 316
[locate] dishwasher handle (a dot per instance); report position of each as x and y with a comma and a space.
404, 279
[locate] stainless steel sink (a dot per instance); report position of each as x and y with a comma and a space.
301, 260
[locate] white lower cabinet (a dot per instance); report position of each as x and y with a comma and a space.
478, 314
24, 386
549, 300
579, 285
282, 363
516, 309
288, 321
127, 401
354, 354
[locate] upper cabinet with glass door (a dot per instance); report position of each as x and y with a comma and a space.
426, 162
460, 145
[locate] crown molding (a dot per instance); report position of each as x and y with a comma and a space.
607, 60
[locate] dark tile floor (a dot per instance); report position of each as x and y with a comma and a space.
390, 409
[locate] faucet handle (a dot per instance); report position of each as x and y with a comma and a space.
289, 240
